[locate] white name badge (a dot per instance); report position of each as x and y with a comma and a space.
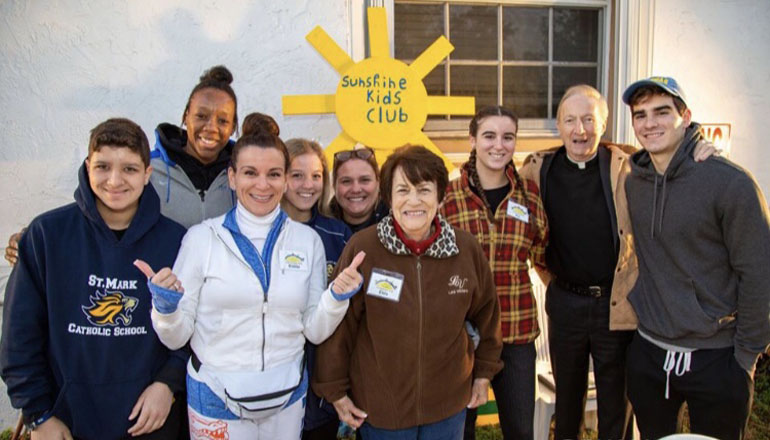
293, 260
385, 284
519, 212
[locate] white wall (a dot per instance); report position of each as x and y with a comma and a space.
718, 51
67, 65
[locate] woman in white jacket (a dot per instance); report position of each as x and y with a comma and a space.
247, 290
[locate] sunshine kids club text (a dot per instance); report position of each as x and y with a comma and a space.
383, 97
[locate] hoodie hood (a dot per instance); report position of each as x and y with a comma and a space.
642, 166
147, 214
170, 138
170, 141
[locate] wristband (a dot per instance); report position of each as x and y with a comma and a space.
36, 420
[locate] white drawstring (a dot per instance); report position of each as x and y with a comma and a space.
678, 362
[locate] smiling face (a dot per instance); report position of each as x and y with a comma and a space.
581, 126
210, 122
659, 127
259, 179
117, 177
355, 189
495, 142
414, 206
305, 184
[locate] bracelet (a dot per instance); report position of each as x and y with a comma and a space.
34, 423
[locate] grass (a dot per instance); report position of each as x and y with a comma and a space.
759, 421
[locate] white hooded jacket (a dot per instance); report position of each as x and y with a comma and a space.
230, 323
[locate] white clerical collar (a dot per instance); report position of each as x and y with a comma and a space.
582, 165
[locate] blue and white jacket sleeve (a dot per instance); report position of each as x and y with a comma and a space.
24, 362
173, 315
324, 312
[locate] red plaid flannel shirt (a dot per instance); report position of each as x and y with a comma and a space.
507, 243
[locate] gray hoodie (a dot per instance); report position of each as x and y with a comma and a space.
179, 199
702, 236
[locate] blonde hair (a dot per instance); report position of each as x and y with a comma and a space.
585, 90
297, 147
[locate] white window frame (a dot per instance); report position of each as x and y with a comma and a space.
635, 22
633, 52
527, 127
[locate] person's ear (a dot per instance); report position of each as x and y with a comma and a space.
231, 177
148, 173
687, 117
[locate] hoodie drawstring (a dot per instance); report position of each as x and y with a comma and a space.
662, 203
655, 205
168, 182
678, 362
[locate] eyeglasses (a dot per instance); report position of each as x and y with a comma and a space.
362, 153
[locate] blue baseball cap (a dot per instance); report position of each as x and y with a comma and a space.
664, 82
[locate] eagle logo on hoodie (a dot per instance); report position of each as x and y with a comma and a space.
110, 308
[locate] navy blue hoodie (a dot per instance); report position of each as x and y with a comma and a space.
77, 337
334, 235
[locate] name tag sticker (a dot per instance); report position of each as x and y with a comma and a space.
519, 212
293, 260
385, 284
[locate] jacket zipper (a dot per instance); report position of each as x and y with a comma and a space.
202, 194
264, 294
419, 340
264, 312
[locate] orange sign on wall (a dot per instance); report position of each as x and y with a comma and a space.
719, 135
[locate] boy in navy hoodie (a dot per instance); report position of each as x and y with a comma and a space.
78, 352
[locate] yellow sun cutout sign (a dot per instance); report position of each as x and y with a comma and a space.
380, 102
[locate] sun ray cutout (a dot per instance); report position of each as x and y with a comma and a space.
380, 102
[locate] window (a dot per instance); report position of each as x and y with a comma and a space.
522, 56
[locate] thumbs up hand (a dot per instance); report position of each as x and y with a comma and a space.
164, 278
349, 280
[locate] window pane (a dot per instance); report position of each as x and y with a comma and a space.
473, 32
576, 34
416, 27
525, 34
478, 81
565, 77
525, 91
434, 81
435, 85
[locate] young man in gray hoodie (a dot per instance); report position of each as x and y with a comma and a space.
702, 237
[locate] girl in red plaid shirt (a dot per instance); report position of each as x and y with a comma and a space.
504, 211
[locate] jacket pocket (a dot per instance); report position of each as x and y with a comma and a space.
99, 410
684, 316
238, 336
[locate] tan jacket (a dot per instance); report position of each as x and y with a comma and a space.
622, 315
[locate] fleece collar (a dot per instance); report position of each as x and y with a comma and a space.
444, 246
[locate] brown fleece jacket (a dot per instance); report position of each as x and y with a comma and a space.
411, 362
